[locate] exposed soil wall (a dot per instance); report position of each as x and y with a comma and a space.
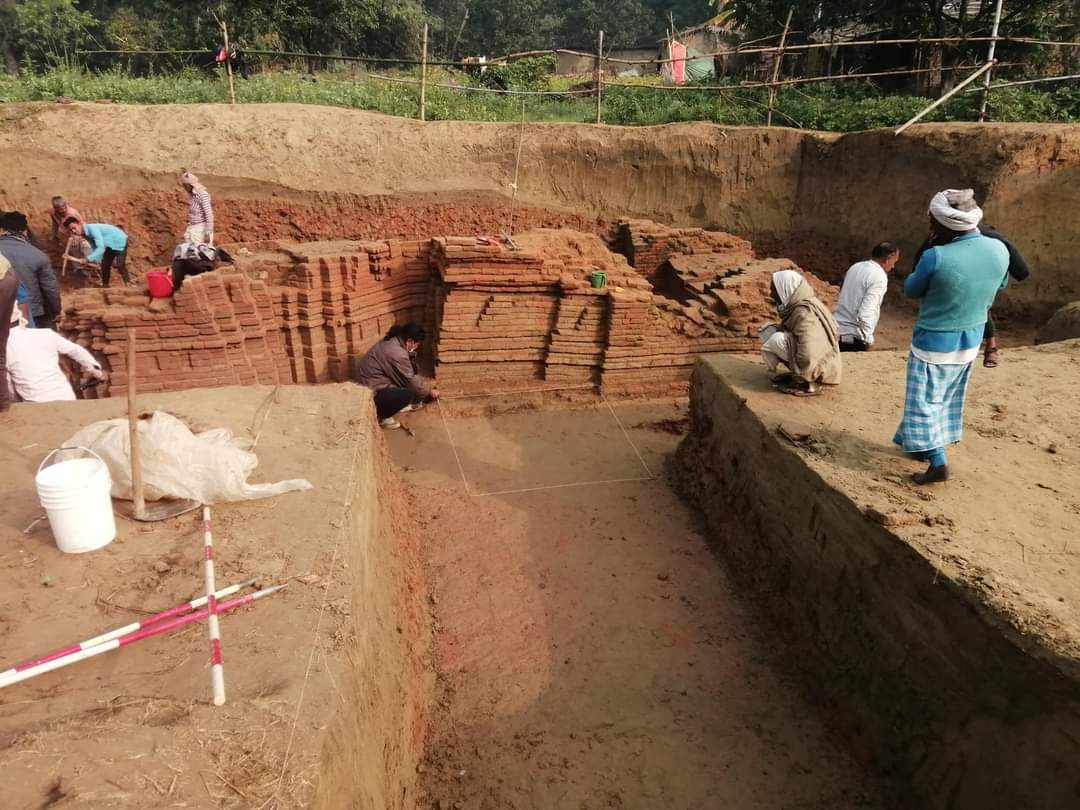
936, 689
836, 194
380, 721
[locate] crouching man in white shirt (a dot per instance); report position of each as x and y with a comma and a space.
864, 288
33, 362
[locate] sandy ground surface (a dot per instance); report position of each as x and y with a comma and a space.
135, 728
590, 649
1006, 524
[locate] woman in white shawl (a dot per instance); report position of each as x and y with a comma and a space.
807, 340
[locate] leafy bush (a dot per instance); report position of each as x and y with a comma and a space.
532, 73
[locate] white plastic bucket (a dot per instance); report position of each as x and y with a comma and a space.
75, 494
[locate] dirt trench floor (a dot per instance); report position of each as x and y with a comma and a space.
590, 649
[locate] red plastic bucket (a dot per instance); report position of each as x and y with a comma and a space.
159, 284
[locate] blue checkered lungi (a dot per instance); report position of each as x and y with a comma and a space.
933, 405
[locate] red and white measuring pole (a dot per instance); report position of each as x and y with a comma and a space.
9, 678
194, 604
217, 663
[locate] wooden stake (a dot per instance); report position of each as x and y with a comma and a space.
947, 96
133, 431
517, 169
776, 67
228, 63
423, 75
990, 58
599, 75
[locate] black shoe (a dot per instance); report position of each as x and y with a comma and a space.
933, 475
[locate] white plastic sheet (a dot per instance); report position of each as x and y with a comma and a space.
209, 467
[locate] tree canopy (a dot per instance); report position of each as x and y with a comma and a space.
39, 31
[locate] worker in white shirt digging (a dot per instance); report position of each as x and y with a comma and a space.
33, 362
859, 308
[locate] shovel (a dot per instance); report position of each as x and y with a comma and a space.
138, 510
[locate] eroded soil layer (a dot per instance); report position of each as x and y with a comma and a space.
327, 681
942, 623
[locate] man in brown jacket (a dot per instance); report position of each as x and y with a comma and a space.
389, 370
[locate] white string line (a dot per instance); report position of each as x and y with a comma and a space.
345, 509
465, 482
628, 439
560, 486
270, 400
520, 391
450, 439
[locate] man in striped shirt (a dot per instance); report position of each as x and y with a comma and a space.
200, 225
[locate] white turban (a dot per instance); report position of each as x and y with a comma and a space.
956, 209
786, 283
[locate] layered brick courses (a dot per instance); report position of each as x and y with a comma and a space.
500, 316
648, 245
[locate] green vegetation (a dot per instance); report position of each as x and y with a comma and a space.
841, 107
40, 42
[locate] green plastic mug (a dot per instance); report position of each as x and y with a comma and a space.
598, 280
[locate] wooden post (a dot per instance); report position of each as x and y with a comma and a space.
133, 431
423, 75
599, 75
517, 172
990, 58
947, 96
776, 68
228, 63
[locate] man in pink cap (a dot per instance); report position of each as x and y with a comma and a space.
200, 225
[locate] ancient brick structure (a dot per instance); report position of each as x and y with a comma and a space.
289, 313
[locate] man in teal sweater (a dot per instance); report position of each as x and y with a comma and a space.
956, 283
108, 245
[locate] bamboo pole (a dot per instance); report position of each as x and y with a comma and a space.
599, 76
851, 43
809, 79
990, 58
947, 96
1072, 77
133, 432
810, 46
228, 63
776, 67
423, 75
517, 170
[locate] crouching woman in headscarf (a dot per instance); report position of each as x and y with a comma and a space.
807, 340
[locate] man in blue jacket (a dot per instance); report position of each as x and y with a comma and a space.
32, 267
956, 283
108, 246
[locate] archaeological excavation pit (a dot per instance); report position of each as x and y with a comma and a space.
597, 576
